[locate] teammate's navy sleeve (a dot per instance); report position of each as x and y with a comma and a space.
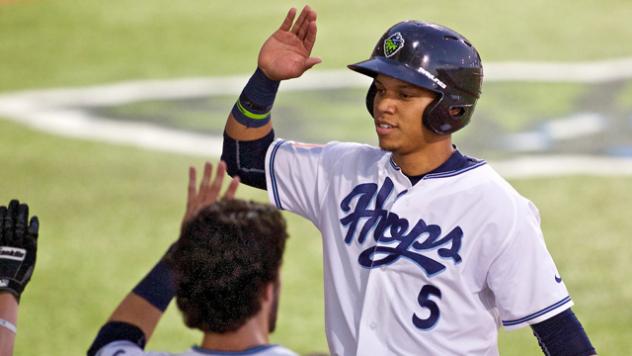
563, 334
247, 159
115, 331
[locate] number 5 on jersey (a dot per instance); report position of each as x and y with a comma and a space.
425, 302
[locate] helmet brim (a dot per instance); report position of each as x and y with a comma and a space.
380, 65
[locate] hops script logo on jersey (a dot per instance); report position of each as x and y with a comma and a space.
394, 238
388, 223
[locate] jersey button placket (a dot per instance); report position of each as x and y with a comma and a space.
368, 319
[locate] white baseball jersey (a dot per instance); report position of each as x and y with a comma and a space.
127, 348
427, 269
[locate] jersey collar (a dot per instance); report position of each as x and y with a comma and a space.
250, 351
457, 163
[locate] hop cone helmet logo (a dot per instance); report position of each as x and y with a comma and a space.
393, 44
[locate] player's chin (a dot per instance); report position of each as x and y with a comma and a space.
387, 145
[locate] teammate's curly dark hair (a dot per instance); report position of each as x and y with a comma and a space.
223, 261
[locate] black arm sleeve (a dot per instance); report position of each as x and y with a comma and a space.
563, 335
246, 159
115, 331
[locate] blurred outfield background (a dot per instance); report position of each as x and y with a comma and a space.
108, 212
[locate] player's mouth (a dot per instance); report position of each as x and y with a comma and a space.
383, 128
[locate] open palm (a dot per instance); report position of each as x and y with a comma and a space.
286, 54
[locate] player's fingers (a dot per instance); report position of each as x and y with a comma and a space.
20, 223
289, 18
3, 214
309, 19
191, 192
217, 183
301, 19
310, 37
302, 31
206, 179
232, 188
9, 221
312, 61
33, 229
30, 239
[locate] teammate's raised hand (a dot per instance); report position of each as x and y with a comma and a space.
208, 192
286, 54
18, 247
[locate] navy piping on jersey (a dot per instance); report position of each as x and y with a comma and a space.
394, 165
455, 172
538, 313
250, 351
275, 190
456, 164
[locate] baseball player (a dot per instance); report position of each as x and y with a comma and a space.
426, 251
224, 273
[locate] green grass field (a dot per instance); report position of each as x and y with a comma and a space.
46, 43
108, 212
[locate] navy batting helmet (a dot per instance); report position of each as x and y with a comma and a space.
435, 58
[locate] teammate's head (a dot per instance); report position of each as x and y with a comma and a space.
226, 265
432, 57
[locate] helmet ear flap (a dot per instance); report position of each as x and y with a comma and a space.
431, 117
443, 119
370, 97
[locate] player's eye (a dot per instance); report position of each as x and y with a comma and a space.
380, 91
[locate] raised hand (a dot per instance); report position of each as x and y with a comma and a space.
18, 247
286, 54
208, 192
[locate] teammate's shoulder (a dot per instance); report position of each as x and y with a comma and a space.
260, 350
278, 350
128, 348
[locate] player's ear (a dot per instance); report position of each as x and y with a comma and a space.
370, 97
268, 292
272, 289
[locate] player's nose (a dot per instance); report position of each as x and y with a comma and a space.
384, 105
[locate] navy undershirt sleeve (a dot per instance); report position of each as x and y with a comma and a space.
246, 159
158, 287
563, 335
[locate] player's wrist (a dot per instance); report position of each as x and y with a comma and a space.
8, 311
262, 71
253, 107
5, 324
7, 299
12, 290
